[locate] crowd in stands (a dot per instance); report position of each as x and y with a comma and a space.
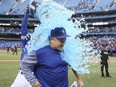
99, 41
4, 44
103, 39
102, 29
12, 30
98, 16
93, 5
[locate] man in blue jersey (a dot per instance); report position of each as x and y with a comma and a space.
20, 80
52, 71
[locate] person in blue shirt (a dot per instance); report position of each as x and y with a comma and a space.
20, 80
51, 70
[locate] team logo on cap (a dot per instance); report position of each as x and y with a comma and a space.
63, 31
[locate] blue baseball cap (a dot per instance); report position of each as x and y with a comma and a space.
59, 32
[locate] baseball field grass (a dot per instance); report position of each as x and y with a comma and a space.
9, 67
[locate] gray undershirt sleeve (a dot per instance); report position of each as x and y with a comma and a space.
26, 64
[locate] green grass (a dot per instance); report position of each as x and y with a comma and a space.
94, 79
9, 70
9, 56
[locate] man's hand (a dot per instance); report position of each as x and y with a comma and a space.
79, 80
27, 9
80, 83
37, 84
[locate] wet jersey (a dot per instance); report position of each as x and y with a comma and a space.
52, 71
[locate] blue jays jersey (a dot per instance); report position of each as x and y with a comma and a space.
24, 50
52, 71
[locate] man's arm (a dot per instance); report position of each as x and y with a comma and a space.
24, 30
79, 80
26, 64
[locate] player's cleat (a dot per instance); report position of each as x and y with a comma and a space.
102, 76
108, 76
